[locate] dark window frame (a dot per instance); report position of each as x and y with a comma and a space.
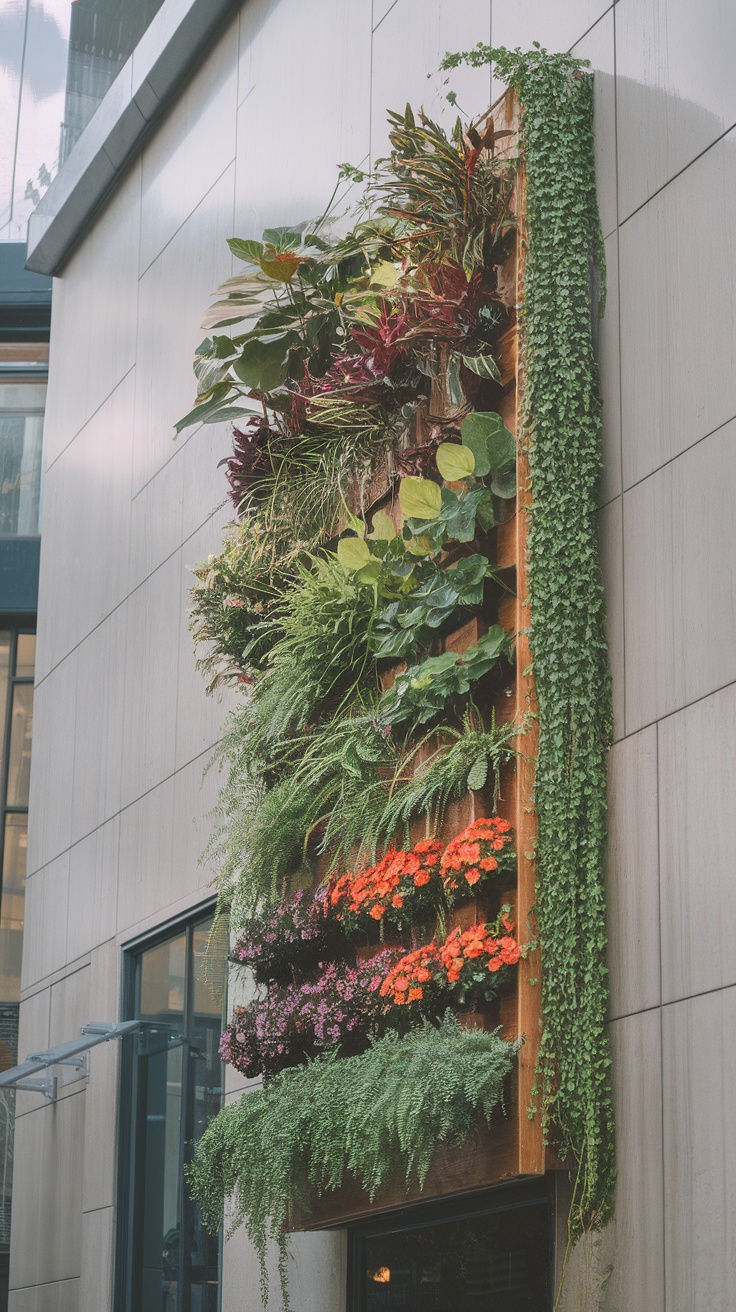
500, 1198
125, 1246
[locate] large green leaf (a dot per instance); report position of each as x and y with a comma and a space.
483, 365
353, 553
420, 498
282, 239
383, 528
504, 482
250, 251
486, 435
264, 365
455, 462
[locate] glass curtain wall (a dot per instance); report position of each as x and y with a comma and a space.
172, 1087
21, 433
58, 58
17, 660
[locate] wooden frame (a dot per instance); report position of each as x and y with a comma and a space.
513, 1145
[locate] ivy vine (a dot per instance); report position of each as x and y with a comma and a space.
562, 433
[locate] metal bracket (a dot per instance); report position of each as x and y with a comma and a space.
79, 1063
48, 1086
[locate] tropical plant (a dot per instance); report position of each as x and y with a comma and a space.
439, 684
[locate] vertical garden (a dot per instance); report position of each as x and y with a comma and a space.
409, 599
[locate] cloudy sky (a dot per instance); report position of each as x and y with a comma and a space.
34, 35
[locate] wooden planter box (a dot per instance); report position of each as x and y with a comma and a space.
491, 1156
512, 1145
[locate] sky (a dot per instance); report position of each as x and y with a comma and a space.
34, 35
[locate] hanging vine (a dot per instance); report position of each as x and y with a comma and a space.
562, 431
344, 350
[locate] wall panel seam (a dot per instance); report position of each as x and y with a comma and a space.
88, 420
716, 141
685, 451
142, 273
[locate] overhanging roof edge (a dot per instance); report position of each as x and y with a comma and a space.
176, 39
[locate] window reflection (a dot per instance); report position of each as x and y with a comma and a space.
19, 759
21, 435
173, 1265
496, 1262
59, 58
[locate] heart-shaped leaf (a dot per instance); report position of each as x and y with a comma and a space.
420, 498
383, 528
419, 546
353, 553
489, 439
455, 462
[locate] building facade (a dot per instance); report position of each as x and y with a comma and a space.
225, 122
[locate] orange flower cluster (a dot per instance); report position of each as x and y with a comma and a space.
406, 980
475, 852
387, 884
476, 943
479, 948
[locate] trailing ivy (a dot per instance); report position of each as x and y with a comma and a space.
298, 1136
562, 431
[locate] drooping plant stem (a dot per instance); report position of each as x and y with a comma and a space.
562, 433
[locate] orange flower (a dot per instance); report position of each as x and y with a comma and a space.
415, 995
495, 964
376, 912
470, 852
397, 900
421, 877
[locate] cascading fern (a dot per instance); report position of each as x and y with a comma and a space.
311, 1124
562, 433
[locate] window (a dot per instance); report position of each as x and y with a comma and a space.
21, 432
171, 1087
17, 660
487, 1255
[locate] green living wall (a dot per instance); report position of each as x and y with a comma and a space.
371, 469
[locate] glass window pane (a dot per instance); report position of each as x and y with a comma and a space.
4, 672
174, 1263
12, 906
162, 980
160, 1078
21, 729
25, 656
207, 982
202, 1250
492, 1263
20, 474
